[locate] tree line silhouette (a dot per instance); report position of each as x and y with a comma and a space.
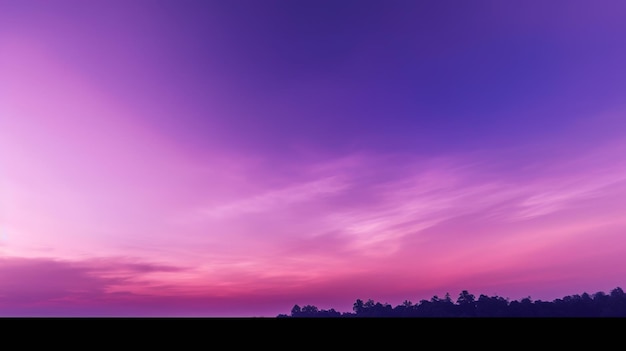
599, 304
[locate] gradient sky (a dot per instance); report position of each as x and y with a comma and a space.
235, 158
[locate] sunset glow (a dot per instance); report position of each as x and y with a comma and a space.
234, 158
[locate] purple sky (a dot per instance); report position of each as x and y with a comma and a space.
234, 158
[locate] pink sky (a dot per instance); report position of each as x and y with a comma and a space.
111, 205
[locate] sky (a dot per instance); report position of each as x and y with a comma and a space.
235, 158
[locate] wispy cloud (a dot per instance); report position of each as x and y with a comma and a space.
274, 200
368, 204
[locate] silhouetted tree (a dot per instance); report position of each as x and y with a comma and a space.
358, 306
406, 309
467, 304
309, 310
617, 305
599, 304
491, 306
